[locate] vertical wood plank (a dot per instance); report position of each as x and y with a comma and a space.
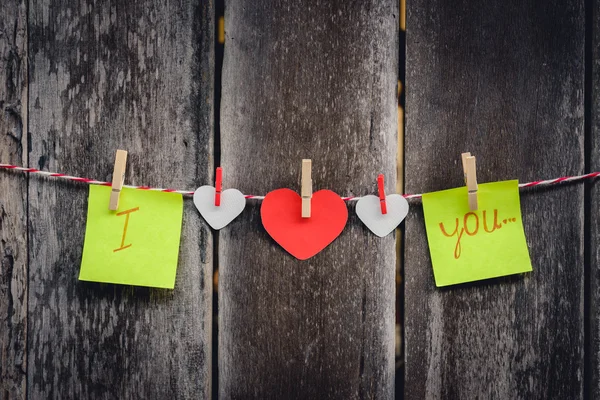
107, 76
503, 80
311, 81
593, 218
13, 199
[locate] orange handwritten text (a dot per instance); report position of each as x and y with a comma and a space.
470, 226
126, 213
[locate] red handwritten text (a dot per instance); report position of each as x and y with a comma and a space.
470, 226
126, 213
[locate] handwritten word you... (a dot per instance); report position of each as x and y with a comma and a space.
471, 227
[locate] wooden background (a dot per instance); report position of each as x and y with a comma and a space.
506, 82
80, 81
324, 327
513, 82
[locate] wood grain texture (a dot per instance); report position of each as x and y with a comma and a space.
505, 82
593, 218
108, 76
307, 80
13, 201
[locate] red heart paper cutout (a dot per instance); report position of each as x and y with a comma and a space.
281, 215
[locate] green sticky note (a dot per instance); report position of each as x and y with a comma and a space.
136, 245
468, 246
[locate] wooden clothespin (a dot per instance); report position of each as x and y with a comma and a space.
306, 189
381, 191
470, 172
118, 179
218, 186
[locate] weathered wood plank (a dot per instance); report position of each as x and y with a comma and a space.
593, 218
13, 201
504, 81
135, 76
307, 81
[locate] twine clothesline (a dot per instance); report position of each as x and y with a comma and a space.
546, 182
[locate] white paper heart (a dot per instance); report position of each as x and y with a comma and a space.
368, 210
232, 205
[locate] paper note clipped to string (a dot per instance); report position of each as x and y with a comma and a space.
136, 245
466, 245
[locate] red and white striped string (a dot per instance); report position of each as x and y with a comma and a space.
547, 182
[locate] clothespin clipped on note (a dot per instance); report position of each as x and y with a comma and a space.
118, 179
306, 189
470, 173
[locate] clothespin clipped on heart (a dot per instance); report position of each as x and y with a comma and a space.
382, 214
470, 173
218, 207
303, 225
